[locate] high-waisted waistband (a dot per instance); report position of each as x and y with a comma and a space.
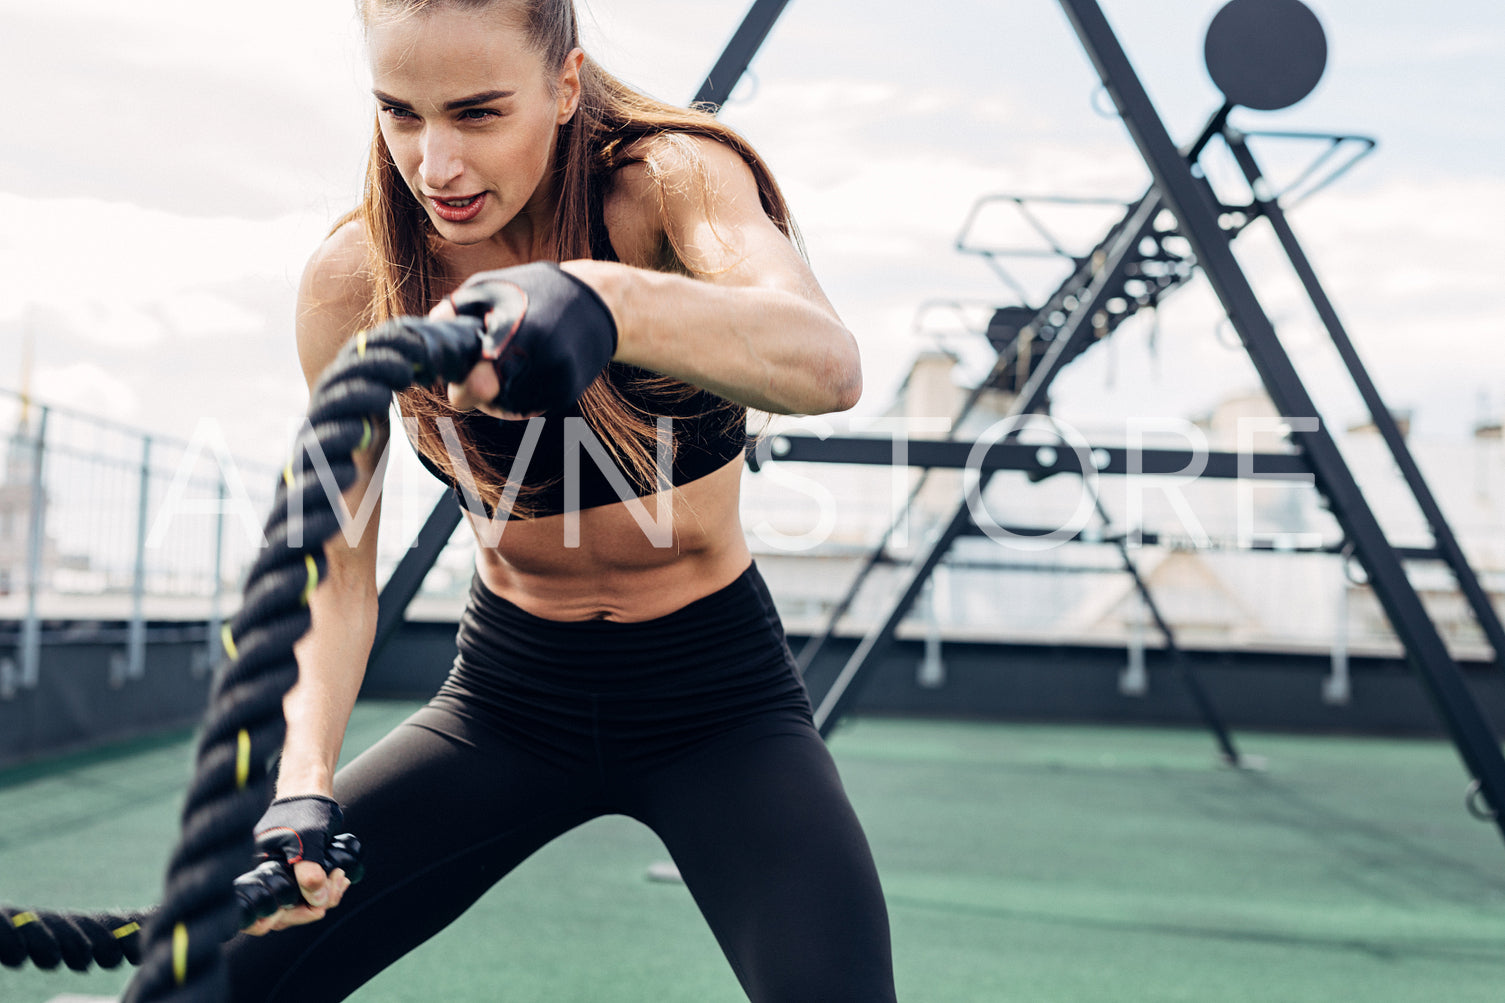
736, 625
615, 694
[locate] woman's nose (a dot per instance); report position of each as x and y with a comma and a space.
442, 163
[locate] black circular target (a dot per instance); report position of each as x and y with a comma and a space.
1265, 54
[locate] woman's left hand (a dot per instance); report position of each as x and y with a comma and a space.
550, 337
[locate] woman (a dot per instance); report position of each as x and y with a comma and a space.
619, 652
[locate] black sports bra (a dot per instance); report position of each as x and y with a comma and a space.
707, 435
706, 438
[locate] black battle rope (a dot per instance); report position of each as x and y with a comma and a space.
177, 943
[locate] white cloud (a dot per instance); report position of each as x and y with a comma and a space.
120, 256
88, 387
930, 192
1388, 45
119, 325
199, 313
283, 42
1413, 251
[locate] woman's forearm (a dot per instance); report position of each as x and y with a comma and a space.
767, 347
331, 664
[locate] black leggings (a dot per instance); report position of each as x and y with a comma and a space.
695, 724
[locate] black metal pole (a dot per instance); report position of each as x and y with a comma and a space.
408, 576
739, 53
950, 454
1191, 203
1189, 677
1447, 544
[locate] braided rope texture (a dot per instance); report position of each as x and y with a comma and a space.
77, 940
178, 944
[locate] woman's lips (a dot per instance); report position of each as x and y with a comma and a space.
459, 213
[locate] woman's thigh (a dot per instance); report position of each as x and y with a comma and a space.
443, 810
767, 842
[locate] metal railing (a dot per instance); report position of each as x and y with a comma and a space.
111, 526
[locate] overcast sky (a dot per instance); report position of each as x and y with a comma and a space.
167, 167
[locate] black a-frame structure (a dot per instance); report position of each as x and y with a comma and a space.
1181, 189
1191, 200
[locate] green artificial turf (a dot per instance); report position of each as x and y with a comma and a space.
1021, 863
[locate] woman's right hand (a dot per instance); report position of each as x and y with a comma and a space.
297, 831
316, 886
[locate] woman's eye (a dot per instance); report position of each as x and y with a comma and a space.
479, 114
401, 114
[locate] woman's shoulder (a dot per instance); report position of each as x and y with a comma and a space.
334, 298
663, 178
339, 270
673, 163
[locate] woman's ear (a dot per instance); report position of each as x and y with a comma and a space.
569, 85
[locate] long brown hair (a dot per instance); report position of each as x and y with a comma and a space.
603, 136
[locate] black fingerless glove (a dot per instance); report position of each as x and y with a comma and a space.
293, 830
298, 828
548, 333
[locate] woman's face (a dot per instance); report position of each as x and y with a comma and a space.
470, 114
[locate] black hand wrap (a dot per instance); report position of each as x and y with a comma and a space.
549, 334
298, 828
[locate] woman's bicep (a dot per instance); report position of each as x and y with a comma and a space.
755, 326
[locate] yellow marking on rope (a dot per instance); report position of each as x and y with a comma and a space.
228, 641
360, 345
287, 473
365, 434
126, 931
180, 953
313, 577
20, 919
242, 759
